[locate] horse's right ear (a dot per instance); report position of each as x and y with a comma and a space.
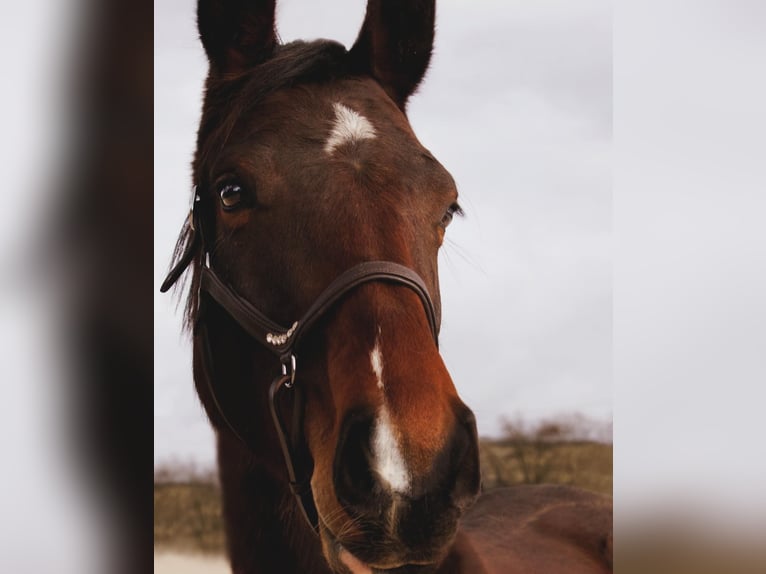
236, 34
395, 44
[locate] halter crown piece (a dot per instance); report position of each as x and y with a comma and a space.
284, 341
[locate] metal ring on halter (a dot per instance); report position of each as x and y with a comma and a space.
289, 384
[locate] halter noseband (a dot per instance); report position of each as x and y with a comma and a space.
282, 341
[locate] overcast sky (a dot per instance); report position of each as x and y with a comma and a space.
517, 105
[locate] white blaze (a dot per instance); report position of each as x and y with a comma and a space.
389, 464
376, 359
349, 127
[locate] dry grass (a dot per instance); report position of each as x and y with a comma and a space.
584, 464
187, 516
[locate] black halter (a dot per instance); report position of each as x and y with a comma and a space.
284, 342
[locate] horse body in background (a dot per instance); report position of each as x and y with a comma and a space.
306, 171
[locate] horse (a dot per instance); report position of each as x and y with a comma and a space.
312, 238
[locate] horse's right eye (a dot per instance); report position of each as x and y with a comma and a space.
452, 211
231, 196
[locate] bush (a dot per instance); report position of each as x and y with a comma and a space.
570, 450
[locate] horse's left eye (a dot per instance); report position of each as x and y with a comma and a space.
231, 196
453, 210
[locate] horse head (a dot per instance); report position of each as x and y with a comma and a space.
307, 166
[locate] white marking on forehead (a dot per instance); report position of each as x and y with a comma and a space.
349, 127
389, 463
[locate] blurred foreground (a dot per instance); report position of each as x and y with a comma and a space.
662, 547
76, 285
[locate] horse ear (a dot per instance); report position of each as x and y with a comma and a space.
394, 45
236, 34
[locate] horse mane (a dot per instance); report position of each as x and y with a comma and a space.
227, 98
183, 244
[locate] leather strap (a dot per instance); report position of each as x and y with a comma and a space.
281, 340
289, 443
249, 318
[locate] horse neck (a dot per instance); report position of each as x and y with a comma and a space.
463, 558
265, 530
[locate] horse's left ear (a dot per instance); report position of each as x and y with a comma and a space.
394, 45
236, 34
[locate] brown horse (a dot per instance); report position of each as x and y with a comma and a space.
308, 175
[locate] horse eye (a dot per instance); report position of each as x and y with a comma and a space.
452, 211
231, 196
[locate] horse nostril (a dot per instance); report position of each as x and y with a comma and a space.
454, 476
352, 476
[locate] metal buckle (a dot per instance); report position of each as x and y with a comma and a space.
293, 367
